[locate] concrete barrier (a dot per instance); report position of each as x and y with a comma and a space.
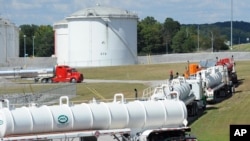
192, 57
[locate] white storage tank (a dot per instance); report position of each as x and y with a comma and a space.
97, 36
9, 40
61, 41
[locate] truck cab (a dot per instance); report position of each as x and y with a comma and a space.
64, 73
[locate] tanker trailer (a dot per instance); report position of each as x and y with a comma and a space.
216, 82
28, 73
134, 121
59, 73
188, 91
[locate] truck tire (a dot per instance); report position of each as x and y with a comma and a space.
44, 80
73, 80
49, 80
233, 89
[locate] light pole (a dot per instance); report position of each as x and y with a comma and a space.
24, 51
231, 45
198, 39
33, 37
24, 45
212, 41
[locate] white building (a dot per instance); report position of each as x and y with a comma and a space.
9, 41
97, 36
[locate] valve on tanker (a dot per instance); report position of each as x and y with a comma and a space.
64, 99
116, 96
174, 95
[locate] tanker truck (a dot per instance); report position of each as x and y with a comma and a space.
230, 64
227, 62
216, 82
188, 91
59, 73
216, 78
137, 120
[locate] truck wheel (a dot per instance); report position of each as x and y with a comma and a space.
44, 81
49, 80
73, 80
233, 90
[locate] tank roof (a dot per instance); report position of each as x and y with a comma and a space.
102, 11
4, 21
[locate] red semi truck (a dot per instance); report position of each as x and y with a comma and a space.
59, 73
67, 74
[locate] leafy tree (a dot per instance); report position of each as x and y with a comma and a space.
213, 39
43, 37
178, 41
170, 28
25, 35
149, 36
45, 41
184, 41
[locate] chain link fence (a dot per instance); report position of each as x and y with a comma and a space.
40, 94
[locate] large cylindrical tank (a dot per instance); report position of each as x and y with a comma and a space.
98, 36
61, 35
136, 115
184, 90
213, 80
28, 73
9, 40
181, 86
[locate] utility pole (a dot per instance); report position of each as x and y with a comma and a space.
198, 40
231, 25
33, 37
212, 41
24, 51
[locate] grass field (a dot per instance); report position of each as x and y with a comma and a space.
241, 47
133, 72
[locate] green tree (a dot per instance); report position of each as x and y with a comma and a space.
44, 37
43, 41
212, 39
149, 36
184, 41
25, 35
170, 28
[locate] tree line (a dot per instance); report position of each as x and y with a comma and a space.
37, 38
153, 37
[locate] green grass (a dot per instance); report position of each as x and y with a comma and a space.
106, 91
133, 72
241, 47
86, 91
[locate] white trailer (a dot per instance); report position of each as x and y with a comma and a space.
216, 82
188, 91
128, 121
39, 74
